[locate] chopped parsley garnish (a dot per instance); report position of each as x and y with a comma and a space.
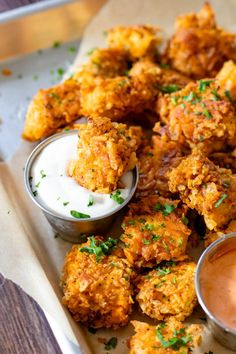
42, 173
141, 220
56, 44
180, 242
116, 196
201, 138
184, 220
131, 222
167, 209
203, 84
157, 207
35, 193
149, 227
179, 339
37, 185
72, 49
192, 95
99, 249
174, 100
168, 88
55, 96
159, 284
162, 224
90, 201
216, 96
146, 242
163, 271
155, 237
207, 113
111, 343
222, 198
78, 215
60, 71
182, 105
174, 280
66, 203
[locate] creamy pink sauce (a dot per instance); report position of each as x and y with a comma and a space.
218, 284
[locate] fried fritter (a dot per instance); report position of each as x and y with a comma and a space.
154, 230
105, 151
212, 236
198, 47
227, 79
153, 163
52, 108
203, 186
139, 41
168, 292
159, 339
97, 291
199, 116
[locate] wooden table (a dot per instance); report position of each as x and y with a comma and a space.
12, 4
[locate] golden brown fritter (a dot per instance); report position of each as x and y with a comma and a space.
159, 339
198, 47
199, 116
52, 108
154, 230
105, 151
139, 41
212, 236
227, 79
203, 186
97, 290
168, 292
153, 163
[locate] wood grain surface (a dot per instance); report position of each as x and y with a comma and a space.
12, 4
24, 328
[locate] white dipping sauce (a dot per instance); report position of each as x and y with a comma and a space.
54, 190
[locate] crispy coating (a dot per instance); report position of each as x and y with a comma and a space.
146, 341
105, 151
203, 186
98, 294
200, 116
212, 236
139, 41
227, 78
153, 163
121, 96
168, 292
152, 235
52, 108
198, 47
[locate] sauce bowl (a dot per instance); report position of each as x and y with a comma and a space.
69, 228
224, 334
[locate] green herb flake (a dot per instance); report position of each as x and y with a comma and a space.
56, 44
174, 100
155, 237
168, 88
182, 105
99, 249
184, 220
149, 227
90, 201
157, 207
180, 242
141, 221
159, 285
163, 225
131, 222
66, 203
219, 202
146, 242
71, 49
42, 173
203, 84
179, 339
207, 114
216, 96
228, 95
35, 193
37, 185
111, 343
192, 95
116, 196
167, 209
60, 71
55, 96
78, 215
201, 138
163, 271
174, 280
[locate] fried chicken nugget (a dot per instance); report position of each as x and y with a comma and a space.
212, 236
200, 116
97, 290
168, 292
105, 151
154, 230
139, 41
227, 79
153, 163
52, 108
198, 47
159, 339
203, 186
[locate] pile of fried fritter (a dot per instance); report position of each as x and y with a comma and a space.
187, 166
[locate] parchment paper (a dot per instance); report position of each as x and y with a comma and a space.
29, 253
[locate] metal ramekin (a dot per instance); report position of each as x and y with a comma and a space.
226, 336
69, 228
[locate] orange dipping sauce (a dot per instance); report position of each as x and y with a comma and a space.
218, 283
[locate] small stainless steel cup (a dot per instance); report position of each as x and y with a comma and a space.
69, 228
226, 336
